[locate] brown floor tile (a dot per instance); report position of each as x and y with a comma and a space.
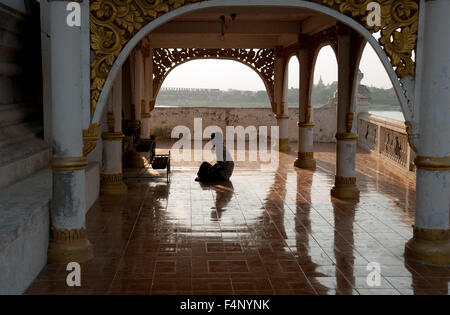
133, 285
48, 287
164, 285
274, 232
214, 284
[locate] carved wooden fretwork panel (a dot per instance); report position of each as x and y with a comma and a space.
260, 60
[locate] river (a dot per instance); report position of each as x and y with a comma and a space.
397, 115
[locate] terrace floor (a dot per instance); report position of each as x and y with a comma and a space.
269, 231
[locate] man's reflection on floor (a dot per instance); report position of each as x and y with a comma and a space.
224, 193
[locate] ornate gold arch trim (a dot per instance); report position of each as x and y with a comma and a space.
114, 22
398, 29
260, 60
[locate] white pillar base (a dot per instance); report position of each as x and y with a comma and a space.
283, 121
429, 246
112, 179
345, 188
68, 241
112, 184
345, 180
284, 145
431, 241
432, 198
69, 246
145, 126
305, 157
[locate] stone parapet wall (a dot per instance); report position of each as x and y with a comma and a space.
387, 138
164, 119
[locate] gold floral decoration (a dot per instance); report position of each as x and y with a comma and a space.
90, 137
399, 26
409, 131
113, 23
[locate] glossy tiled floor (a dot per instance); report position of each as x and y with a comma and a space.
268, 232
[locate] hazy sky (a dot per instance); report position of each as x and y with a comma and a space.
225, 74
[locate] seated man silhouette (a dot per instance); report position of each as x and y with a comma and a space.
223, 169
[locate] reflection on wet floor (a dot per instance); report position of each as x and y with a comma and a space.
265, 232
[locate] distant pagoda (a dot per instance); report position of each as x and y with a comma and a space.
320, 84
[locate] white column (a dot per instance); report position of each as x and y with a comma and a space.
68, 234
280, 95
139, 88
345, 179
136, 159
431, 241
112, 176
46, 70
148, 92
305, 158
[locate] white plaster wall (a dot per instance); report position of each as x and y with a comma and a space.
94, 168
96, 155
24, 231
164, 119
325, 122
92, 184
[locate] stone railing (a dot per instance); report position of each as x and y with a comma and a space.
386, 137
165, 118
